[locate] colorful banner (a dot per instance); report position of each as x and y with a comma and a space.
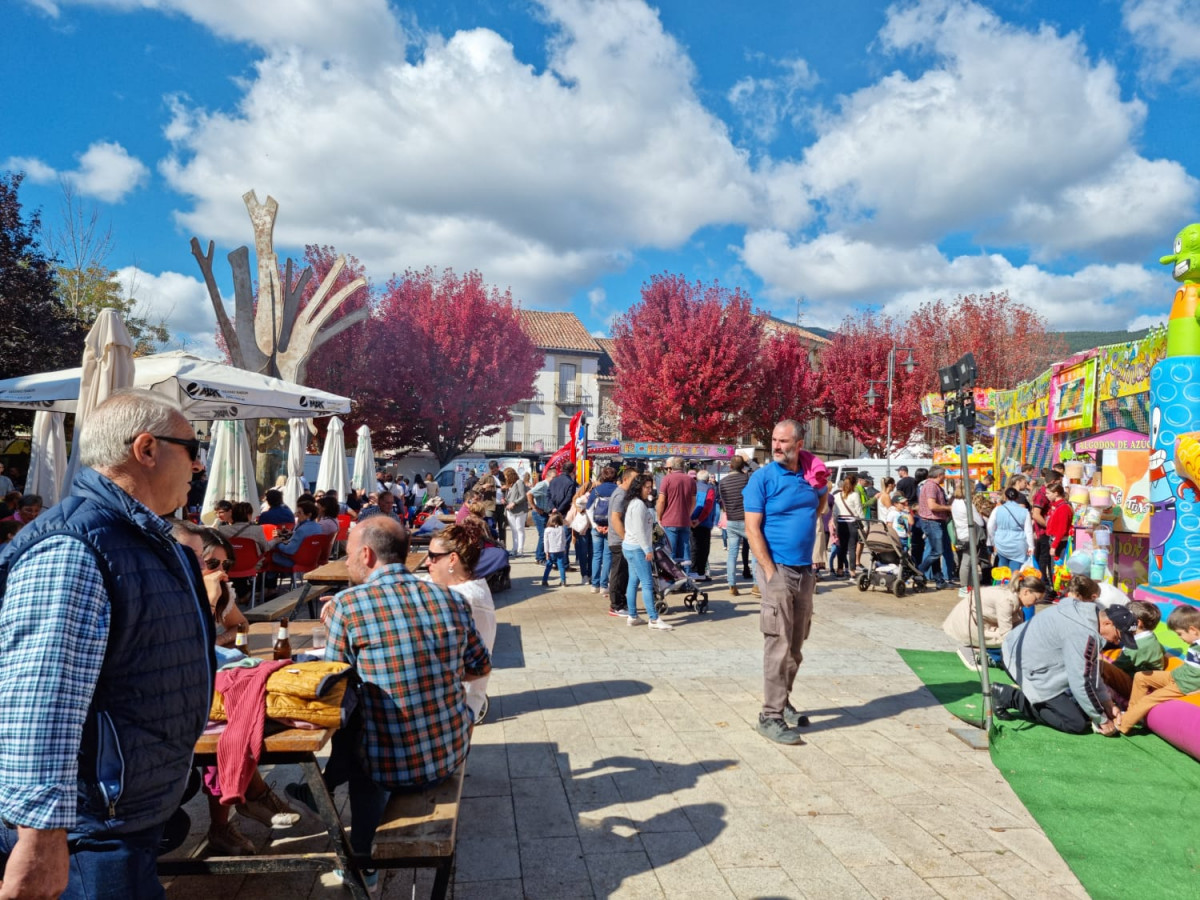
1028, 401
690, 451
1072, 398
1116, 439
1124, 369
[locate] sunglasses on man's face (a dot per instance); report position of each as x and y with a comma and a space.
190, 444
226, 564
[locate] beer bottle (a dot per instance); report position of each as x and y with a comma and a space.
242, 641
283, 646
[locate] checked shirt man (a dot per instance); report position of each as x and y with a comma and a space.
413, 645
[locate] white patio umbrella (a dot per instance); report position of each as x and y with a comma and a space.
332, 475
297, 441
47, 457
364, 462
230, 469
107, 368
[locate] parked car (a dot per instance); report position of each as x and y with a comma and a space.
450, 477
876, 468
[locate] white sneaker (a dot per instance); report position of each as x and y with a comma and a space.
595, 590
660, 625
969, 658
633, 620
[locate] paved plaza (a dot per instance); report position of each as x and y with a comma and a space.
622, 762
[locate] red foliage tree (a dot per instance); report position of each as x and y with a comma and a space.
443, 360
856, 357
787, 386
1009, 340
686, 362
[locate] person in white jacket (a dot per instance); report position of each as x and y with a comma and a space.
638, 550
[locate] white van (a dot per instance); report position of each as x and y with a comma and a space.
450, 477
876, 468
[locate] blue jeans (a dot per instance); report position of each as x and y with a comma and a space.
106, 867
639, 573
679, 544
1014, 564
937, 547
539, 522
735, 533
601, 559
556, 559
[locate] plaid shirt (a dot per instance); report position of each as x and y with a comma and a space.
410, 642
53, 634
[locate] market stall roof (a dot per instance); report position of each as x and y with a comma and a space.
204, 389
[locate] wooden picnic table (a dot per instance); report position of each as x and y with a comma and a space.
336, 573
290, 746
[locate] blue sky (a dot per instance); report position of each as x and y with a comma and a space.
823, 155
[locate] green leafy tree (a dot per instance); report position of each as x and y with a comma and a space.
38, 334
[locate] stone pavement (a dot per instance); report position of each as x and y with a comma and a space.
622, 762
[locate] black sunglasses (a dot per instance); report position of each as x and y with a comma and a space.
192, 444
226, 564
431, 555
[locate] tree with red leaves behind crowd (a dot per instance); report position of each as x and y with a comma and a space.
443, 361
1008, 338
787, 385
686, 362
857, 356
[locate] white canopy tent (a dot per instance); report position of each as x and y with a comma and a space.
332, 475
230, 469
364, 462
47, 457
297, 443
204, 389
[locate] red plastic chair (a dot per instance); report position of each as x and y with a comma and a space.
269, 531
306, 558
245, 563
343, 533
330, 538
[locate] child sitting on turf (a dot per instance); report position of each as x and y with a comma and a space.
556, 548
1148, 657
1152, 688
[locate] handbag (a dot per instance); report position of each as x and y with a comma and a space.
580, 524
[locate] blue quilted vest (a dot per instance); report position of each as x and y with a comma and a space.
155, 688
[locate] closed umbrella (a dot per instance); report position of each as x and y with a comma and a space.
230, 469
107, 368
332, 475
47, 457
297, 442
364, 462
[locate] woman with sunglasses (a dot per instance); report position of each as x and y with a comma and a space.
215, 555
453, 554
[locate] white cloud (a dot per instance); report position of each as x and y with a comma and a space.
835, 272
1167, 31
106, 172
471, 158
766, 103
1148, 320
362, 30
1005, 128
181, 301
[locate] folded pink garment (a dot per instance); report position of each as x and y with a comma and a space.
240, 744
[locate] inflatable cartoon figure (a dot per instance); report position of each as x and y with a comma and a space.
1175, 416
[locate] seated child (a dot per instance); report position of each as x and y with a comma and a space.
1148, 657
1152, 688
899, 519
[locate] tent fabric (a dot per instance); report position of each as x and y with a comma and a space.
204, 390
230, 469
364, 463
107, 369
47, 457
297, 442
332, 475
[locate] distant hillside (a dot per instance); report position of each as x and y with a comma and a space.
1076, 340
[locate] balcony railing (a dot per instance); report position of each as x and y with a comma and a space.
527, 443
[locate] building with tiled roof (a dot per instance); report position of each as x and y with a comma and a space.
557, 331
814, 340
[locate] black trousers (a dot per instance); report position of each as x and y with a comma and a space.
1061, 713
1041, 551
701, 543
618, 579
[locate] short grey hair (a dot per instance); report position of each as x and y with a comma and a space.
935, 471
106, 434
797, 428
387, 538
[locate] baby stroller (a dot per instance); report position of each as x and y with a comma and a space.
669, 578
891, 566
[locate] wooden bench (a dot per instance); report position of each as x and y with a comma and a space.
419, 831
283, 605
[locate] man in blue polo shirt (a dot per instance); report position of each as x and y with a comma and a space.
783, 500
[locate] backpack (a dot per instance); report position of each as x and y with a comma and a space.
600, 507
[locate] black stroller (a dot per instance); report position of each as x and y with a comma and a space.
891, 566
669, 578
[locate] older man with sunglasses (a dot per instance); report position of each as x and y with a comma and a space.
106, 637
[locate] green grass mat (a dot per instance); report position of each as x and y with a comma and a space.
1120, 811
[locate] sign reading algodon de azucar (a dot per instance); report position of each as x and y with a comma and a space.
689, 451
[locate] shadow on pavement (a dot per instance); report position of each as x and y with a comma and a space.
879, 708
567, 696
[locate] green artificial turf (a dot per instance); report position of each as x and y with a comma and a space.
1120, 811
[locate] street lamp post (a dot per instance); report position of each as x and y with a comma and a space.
909, 364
